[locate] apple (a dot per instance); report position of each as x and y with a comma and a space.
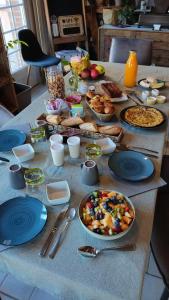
100, 69
94, 73
93, 66
85, 74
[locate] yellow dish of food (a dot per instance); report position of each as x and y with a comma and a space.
143, 116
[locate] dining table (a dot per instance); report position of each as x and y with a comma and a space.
69, 276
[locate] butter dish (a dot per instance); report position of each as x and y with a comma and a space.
58, 192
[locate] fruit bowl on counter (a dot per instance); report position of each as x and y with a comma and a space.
94, 72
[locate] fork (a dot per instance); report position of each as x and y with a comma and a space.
125, 148
137, 147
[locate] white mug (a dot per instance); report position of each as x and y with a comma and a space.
57, 151
74, 146
55, 139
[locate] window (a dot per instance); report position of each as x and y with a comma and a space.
13, 19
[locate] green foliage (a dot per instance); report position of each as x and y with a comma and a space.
13, 43
127, 13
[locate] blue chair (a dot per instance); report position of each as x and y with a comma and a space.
33, 54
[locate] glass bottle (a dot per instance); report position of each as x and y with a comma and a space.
131, 67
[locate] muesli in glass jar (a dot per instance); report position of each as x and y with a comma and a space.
55, 81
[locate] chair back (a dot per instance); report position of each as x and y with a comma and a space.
120, 48
5, 115
33, 51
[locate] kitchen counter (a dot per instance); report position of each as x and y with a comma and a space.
160, 41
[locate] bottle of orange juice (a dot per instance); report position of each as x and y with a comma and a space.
131, 70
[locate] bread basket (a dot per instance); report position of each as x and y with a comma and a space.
101, 117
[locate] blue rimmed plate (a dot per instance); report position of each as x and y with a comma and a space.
131, 165
21, 219
11, 138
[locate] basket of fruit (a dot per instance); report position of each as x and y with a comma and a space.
106, 215
84, 69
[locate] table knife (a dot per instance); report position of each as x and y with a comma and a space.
51, 235
123, 148
4, 159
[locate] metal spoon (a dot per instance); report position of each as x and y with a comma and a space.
89, 251
55, 246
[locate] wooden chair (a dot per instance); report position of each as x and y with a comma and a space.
120, 47
5, 115
160, 233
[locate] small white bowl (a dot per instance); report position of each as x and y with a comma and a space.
161, 99
23, 152
58, 192
107, 145
151, 100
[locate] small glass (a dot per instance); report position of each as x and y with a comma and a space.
93, 152
74, 83
38, 134
34, 178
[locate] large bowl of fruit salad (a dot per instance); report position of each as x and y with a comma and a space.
106, 215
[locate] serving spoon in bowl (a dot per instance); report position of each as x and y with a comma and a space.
89, 251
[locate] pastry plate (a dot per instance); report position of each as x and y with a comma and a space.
70, 131
99, 90
160, 84
131, 165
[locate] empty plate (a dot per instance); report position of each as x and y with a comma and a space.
130, 165
11, 138
21, 219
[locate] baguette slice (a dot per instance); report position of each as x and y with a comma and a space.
72, 121
89, 126
54, 119
111, 130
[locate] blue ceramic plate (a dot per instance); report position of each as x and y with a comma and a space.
21, 219
130, 165
11, 138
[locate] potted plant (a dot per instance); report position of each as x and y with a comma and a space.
126, 14
23, 91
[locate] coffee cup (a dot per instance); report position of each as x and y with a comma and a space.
89, 172
57, 151
74, 146
16, 177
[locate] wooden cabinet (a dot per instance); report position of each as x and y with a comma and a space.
160, 42
65, 8
7, 91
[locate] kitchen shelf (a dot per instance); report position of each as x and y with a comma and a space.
69, 39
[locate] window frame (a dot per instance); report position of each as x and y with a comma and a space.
14, 30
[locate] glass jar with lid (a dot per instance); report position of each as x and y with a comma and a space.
55, 81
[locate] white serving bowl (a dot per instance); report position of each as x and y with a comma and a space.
58, 192
106, 144
23, 152
100, 236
